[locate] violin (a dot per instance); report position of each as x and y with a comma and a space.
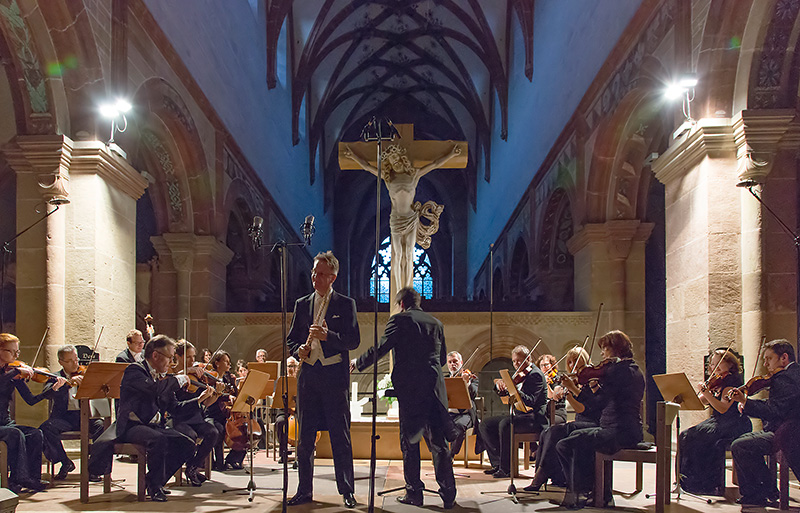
714, 383
467, 372
753, 385
212, 377
39, 375
595, 372
521, 374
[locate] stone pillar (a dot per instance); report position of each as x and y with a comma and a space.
199, 266
609, 269
101, 247
714, 236
41, 164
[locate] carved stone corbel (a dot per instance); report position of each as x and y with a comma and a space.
758, 135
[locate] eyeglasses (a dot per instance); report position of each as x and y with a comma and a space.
325, 275
15, 352
170, 357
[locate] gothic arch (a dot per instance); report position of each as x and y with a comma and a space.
160, 105
519, 270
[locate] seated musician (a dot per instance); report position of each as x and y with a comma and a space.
133, 353
587, 414
756, 483
219, 411
280, 417
241, 372
620, 396
186, 410
702, 447
65, 414
496, 431
463, 419
261, 356
555, 392
24, 442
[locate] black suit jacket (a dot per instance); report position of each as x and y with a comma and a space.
784, 399
60, 398
343, 336
139, 396
417, 339
125, 357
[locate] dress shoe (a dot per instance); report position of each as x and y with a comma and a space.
300, 498
539, 479
349, 500
449, 504
158, 496
35, 485
501, 474
753, 501
192, 476
66, 467
95, 478
165, 491
201, 476
491, 471
411, 500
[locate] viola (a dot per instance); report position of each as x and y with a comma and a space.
212, 378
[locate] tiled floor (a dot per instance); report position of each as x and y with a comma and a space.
476, 492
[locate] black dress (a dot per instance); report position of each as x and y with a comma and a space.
702, 447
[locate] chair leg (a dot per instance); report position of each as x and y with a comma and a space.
599, 479
526, 455
784, 481
141, 485
639, 477
208, 466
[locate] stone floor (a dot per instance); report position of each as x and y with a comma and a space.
476, 492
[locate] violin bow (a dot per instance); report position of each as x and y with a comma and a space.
219, 347
185, 345
719, 362
575, 364
758, 356
460, 369
46, 331
594, 335
530, 353
97, 343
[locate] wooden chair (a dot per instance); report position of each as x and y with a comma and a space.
526, 439
471, 431
779, 465
66, 435
661, 455
206, 470
3, 465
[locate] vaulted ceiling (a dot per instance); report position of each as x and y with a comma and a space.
440, 64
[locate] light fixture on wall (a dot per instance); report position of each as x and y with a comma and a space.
683, 89
119, 123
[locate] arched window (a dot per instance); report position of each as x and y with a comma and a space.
423, 277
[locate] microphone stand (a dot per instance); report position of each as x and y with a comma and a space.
6, 250
282, 246
376, 131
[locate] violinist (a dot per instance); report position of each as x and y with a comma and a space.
65, 414
219, 411
620, 398
702, 447
756, 483
143, 392
280, 418
206, 356
186, 410
24, 442
587, 414
496, 431
241, 372
463, 419
555, 392
133, 353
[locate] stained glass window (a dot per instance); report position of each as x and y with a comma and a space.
423, 276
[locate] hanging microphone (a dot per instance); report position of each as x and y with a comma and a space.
393, 132
308, 229
256, 232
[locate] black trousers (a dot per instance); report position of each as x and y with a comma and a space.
204, 429
755, 479
321, 406
496, 436
462, 421
702, 454
52, 429
24, 452
433, 432
547, 462
167, 451
576, 454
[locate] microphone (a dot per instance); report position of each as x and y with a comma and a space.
393, 132
308, 229
256, 232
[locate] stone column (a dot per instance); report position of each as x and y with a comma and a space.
199, 264
609, 269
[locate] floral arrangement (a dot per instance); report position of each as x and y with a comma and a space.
384, 384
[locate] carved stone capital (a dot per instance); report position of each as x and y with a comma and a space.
181, 248
93, 157
618, 235
710, 137
758, 135
49, 157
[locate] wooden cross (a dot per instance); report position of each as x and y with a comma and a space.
420, 153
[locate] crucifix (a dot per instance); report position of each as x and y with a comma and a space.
403, 163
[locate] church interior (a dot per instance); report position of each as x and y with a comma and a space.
596, 165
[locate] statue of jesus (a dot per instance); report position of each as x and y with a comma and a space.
401, 179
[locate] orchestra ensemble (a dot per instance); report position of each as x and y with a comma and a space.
175, 400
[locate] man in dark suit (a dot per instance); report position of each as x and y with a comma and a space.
133, 353
756, 483
65, 414
324, 330
417, 339
144, 390
463, 419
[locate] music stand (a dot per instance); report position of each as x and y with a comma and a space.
100, 381
514, 402
252, 389
676, 388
